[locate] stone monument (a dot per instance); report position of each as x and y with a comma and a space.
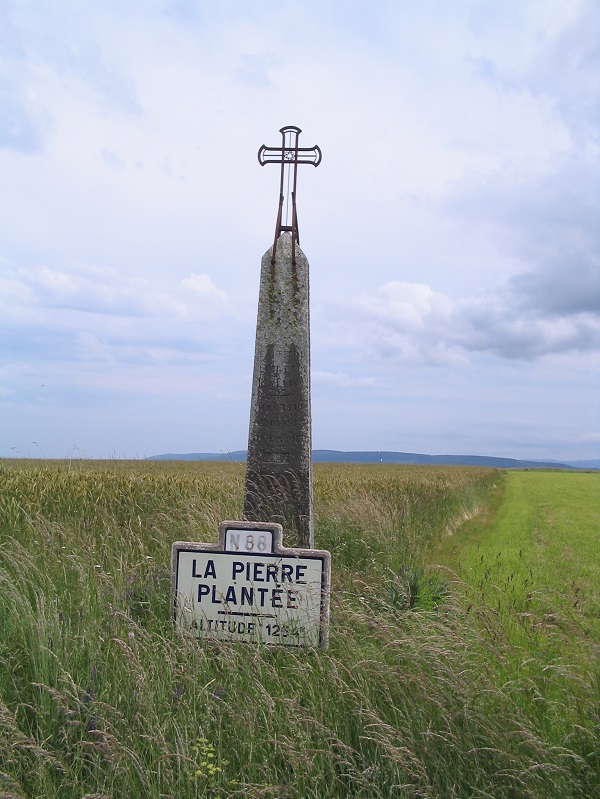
250, 587
279, 470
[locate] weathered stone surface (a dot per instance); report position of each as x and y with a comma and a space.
279, 470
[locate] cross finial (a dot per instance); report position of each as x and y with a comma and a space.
289, 155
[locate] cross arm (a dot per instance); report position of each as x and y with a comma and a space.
289, 155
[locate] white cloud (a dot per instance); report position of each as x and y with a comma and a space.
91, 313
92, 289
254, 69
408, 306
341, 380
593, 437
414, 324
567, 66
460, 150
203, 286
102, 290
113, 160
24, 119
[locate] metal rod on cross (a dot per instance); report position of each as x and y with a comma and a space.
289, 155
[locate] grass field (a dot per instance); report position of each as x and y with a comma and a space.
437, 683
537, 556
533, 562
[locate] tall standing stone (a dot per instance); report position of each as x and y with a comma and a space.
279, 469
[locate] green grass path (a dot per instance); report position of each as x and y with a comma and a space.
535, 550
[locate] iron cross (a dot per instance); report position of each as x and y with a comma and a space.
289, 155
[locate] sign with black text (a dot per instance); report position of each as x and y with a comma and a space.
248, 587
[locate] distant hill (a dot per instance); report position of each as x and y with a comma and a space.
335, 456
589, 464
236, 455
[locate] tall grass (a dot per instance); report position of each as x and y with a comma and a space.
534, 566
100, 698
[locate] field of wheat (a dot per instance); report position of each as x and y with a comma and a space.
99, 698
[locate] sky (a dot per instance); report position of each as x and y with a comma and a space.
451, 228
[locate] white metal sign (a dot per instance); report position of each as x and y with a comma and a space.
248, 587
